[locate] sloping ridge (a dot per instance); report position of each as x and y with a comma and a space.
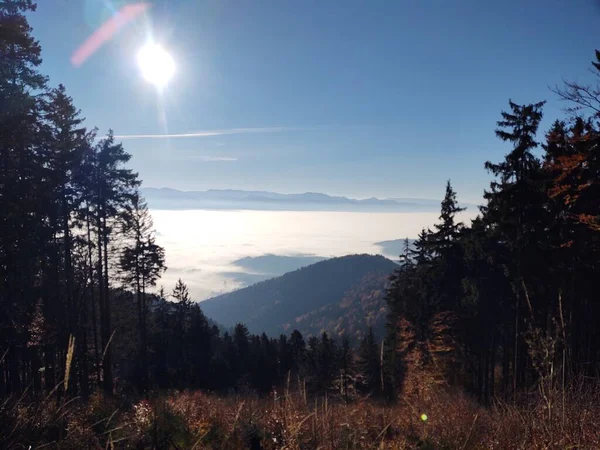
275, 305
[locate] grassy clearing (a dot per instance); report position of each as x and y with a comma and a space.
197, 420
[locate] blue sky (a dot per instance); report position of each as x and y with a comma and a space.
355, 98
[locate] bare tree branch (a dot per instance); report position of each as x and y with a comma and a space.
583, 96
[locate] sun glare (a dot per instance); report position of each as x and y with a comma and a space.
156, 65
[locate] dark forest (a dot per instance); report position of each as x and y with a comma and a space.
495, 312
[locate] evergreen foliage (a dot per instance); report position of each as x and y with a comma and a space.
497, 306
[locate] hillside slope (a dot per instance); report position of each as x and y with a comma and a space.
335, 295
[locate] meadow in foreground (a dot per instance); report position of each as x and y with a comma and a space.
198, 420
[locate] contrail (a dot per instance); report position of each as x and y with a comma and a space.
218, 158
202, 133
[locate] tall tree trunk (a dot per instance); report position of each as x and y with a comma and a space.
142, 366
506, 366
82, 362
492, 366
108, 380
82, 343
72, 315
35, 370
103, 309
144, 336
49, 368
516, 348
482, 376
92, 296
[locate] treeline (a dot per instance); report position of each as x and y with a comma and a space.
72, 226
513, 300
187, 351
78, 254
495, 307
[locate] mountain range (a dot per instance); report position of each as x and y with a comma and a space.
166, 198
342, 295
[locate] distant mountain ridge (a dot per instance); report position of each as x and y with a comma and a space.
338, 295
167, 198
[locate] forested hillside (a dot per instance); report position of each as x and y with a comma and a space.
492, 329
78, 256
339, 295
510, 301
362, 307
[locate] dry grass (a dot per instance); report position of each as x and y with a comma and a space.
196, 420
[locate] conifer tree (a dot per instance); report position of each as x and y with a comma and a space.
514, 210
142, 262
22, 223
346, 378
369, 364
112, 186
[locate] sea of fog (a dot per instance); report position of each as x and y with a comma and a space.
219, 251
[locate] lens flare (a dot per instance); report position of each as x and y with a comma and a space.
106, 32
424, 417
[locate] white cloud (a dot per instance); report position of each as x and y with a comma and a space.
208, 133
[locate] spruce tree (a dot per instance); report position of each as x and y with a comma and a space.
242, 357
141, 262
111, 187
66, 142
346, 376
444, 244
23, 225
298, 357
369, 364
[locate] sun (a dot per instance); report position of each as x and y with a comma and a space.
156, 65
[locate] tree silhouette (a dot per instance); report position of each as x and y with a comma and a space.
141, 262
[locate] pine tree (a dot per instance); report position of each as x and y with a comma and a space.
222, 364
369, 364
572, 170
242, 362
112, 186
198, 340
346, 378
22, 221
284, 357
66, 142
264, 364
448, 229
160, 339
179, 352
297, 353
485, 288
410, 295
514, 213
312, 367
327, 362
444, 244
142, 262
